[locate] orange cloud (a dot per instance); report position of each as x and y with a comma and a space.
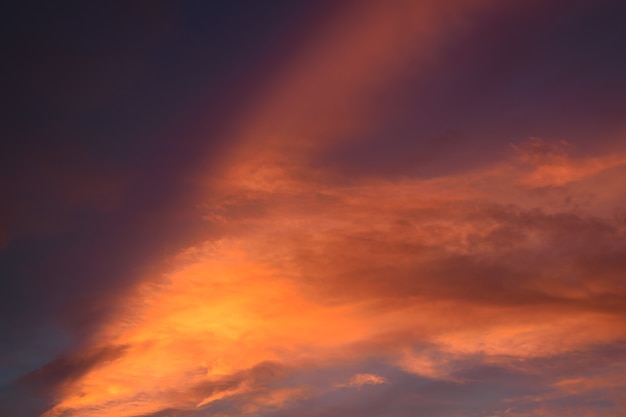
310, 270
552, 165
319, 273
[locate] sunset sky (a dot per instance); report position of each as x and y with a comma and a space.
313, 208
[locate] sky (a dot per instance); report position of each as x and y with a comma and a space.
399, 208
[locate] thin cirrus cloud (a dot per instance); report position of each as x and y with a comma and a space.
493, 289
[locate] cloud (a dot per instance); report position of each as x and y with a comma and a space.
359, 380
474, 291
424, 275
69, 368
553, 166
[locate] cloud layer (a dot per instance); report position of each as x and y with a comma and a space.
368, 246
488, 281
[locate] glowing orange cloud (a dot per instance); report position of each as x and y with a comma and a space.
308, 269
326, 272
